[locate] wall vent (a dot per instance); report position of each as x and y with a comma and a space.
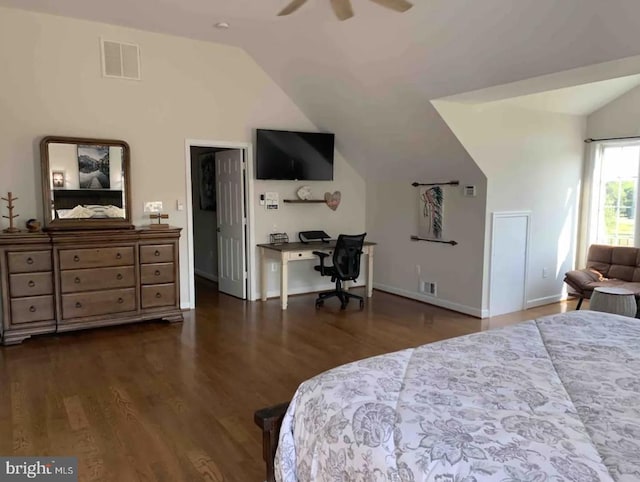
430, 288
120, 60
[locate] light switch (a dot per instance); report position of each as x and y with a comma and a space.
179, 205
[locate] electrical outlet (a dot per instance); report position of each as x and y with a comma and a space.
545, 272
418, 269
274, 267
429, 288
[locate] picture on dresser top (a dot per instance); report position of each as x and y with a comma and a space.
93, 166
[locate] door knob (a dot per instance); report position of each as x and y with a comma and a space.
218, 230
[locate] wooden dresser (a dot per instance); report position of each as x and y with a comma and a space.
71, 280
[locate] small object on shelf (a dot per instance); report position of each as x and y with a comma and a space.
279, 238
159, 224
304, 193
333, 200
11, 216
33, 225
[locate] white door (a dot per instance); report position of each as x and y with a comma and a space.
509, 254
231, 223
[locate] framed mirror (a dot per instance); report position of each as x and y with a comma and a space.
86, 183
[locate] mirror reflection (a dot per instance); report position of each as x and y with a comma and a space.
86, 181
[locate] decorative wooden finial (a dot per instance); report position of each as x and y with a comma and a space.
9, 199
159, 224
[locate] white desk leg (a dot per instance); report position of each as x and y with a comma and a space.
370, 272
284, 280
263, 274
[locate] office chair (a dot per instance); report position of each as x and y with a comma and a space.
346, 267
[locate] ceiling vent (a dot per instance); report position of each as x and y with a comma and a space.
120, 60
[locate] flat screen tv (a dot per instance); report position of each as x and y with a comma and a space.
302, 156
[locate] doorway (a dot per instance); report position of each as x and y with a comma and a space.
219, 233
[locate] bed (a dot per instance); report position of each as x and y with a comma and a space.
552, 399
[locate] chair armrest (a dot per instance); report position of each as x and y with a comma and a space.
322, 257
580, 278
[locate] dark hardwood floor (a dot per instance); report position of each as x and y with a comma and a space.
175, 402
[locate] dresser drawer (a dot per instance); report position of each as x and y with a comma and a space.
156, 253
75, 280
77, 305
158, 295
29, 261
28, 310
30, 284
157, 273
96, 257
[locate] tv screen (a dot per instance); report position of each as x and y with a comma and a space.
303, 156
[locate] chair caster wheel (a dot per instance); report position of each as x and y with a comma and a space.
361, 304
319, 303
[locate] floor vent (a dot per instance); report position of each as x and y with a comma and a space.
120, 60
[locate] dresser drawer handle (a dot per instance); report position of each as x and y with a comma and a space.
158, 295
119, 276
118, 256
31, 283
78, 305
29, 260
76, 258
157, 273
120, 300
157, 253
32, 309
77, 280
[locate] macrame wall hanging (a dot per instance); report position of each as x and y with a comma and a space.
431, 218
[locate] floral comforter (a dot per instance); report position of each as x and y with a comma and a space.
553, 399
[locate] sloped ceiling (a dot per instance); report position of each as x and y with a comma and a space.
370, 79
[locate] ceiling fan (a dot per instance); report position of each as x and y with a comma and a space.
343, 10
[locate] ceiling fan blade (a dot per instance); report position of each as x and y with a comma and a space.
292, 7
397, 5
342, 9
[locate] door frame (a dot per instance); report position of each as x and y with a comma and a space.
250, 255
511, 214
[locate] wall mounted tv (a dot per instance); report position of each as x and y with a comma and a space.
286, 155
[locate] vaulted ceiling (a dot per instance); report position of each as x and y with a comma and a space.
370, 79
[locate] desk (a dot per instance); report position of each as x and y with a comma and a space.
300, 251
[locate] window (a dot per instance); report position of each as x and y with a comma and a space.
614, 194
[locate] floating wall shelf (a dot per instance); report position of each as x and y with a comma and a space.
304, 201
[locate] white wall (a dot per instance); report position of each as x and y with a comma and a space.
401, 264
533, 162
617, 119
51, 84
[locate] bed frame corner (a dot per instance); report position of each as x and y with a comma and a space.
269, 419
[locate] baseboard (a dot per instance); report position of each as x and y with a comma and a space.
185, 305
302, 290
546, 300
450, 305
204, 274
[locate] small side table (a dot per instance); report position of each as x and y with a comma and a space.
618, 301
